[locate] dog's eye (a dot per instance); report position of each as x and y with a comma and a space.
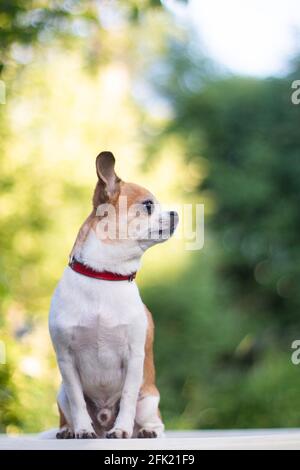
149, 206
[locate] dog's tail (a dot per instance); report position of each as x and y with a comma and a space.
50, 434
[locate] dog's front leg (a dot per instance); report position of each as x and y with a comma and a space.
81, 421
124, 423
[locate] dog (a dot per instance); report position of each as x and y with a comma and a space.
101, 331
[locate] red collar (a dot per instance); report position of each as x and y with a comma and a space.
105, 275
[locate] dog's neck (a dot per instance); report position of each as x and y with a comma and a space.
121, 258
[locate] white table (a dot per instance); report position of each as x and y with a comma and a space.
174, 440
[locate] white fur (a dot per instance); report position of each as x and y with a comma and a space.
122, 258
98, 329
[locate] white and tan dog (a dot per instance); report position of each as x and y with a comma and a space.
101, 330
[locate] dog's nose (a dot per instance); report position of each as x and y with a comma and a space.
173, 220
173, 215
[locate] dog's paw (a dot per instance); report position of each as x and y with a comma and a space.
65, 433
116, 433
85, 434
145, 433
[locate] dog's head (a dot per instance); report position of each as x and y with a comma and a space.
127, 212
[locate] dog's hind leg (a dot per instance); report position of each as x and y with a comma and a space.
148, 419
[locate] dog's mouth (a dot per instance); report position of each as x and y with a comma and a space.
164, 233
174, 219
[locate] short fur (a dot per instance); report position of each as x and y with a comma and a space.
101, 330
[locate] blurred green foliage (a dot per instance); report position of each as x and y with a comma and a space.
29, 22
225, 316
238, 313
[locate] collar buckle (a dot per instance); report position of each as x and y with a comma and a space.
131, 277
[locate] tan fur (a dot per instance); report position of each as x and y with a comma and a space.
148, 387
83, 233
135, 194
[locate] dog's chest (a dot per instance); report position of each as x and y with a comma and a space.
101, 355
95, 335
95, 320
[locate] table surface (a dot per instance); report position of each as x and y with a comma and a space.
174, 440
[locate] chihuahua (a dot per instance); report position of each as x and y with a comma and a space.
101, 331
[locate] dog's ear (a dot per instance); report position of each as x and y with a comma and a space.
105, 166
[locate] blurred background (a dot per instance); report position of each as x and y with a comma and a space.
194, 99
